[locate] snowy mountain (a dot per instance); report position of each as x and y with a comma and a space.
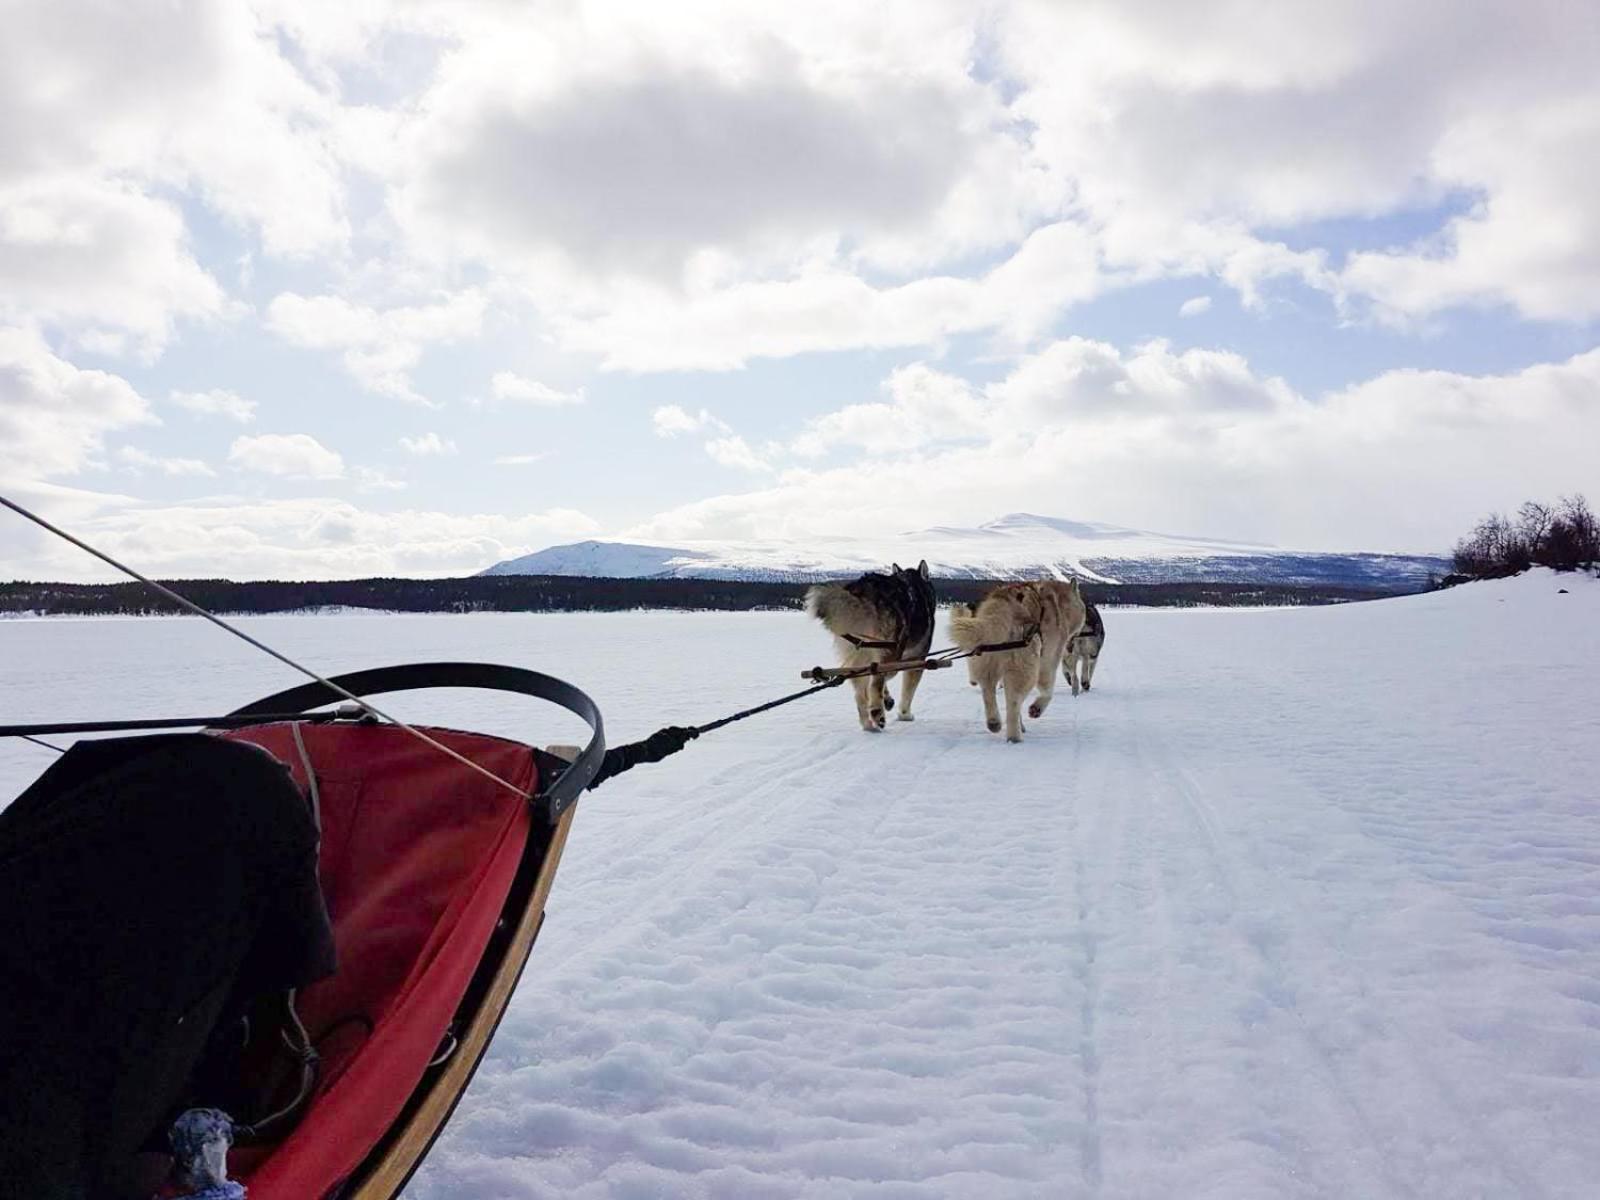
1015, 546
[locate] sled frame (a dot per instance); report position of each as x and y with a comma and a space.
395, 1159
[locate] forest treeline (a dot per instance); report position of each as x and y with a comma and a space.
567, 593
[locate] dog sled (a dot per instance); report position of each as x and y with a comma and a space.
434, 868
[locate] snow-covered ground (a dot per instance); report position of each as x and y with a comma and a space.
1297, 903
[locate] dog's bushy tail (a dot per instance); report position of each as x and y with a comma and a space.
967, 629
822, 601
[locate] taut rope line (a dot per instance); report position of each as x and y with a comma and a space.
191, 606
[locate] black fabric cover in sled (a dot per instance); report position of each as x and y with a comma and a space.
149, 886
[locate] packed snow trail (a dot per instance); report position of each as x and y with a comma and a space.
1296, 903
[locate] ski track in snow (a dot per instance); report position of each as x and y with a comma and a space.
1296, 903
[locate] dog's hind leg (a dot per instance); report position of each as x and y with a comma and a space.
1069, 667
863, 711
1089, 663
908, 689
991, 705
875, 708
1018, 681
1048, 661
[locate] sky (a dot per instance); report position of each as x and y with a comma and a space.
305, 290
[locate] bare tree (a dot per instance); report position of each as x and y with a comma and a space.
1564, 536
1574, 537
1534, 522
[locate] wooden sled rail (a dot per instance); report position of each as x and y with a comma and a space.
943, 658
823, 674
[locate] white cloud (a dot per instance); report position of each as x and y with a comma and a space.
137, 460
372, 479
101, 260
734, 451
507, 385
311, 538
379, 347
1196, 442
1532, 241
1069, 380
217, 402
109, 116
924, 406
427, 444
729, 449
1078, 379
614, 142
1194, 306
290, 455
53, 416
669, 420
1174, 115
635, 175
646, 328
695, 193
191, 94
520, 460
699, 188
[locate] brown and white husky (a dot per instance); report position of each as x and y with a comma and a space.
1045, 614
897, 610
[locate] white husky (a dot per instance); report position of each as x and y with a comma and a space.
1045, 615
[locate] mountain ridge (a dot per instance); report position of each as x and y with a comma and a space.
1016, 545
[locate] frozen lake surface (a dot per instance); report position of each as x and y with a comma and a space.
1297, 903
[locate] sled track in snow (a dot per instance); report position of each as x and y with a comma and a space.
1268, 930
674, 839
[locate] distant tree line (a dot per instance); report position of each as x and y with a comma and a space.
566, 593
1564, 535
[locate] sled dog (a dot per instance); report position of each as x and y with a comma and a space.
1083, 651
897, 609
1046, 614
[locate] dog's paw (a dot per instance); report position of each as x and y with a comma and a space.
888, 701
1035, 710
905, 716
1015, 740
878, 719
1086, 687
994, 726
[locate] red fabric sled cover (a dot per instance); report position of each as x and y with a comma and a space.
418, 855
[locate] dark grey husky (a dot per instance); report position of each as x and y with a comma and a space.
894, 610
1083, 651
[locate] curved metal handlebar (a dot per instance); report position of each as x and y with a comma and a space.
568, 785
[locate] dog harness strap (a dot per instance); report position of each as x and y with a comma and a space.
861, 643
